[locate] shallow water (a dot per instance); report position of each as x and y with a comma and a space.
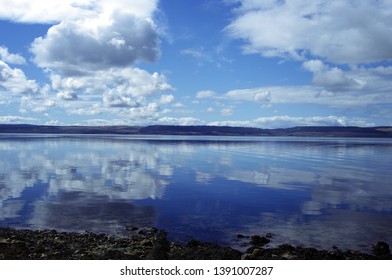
316, 192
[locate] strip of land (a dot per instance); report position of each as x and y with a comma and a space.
303, 131
152, 244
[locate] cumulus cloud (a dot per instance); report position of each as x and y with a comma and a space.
111, 91
89, 54
166, 99
14, 81
94, 44
11, 58
339, 31
67, 95
332, 78
54, 11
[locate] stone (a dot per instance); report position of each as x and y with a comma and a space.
247, 257
146, 242
259, 240
381, 249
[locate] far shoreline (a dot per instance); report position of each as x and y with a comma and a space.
204, 130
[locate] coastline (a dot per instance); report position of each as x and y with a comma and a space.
203, 130
152, 244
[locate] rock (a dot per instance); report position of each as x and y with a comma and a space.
148, 232
259, 240
131, 228
288, 256
381, 249
257, 252
146, 242
241, 236
193, 243
247, 257
3, 241
29, 245
161, 248
286, 247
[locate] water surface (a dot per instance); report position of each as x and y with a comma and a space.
306, 191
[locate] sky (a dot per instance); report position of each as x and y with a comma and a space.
259, 63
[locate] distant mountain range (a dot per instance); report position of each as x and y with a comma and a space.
316, 131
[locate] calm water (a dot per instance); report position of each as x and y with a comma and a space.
306, 191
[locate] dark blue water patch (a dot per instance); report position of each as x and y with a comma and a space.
28, 198
189, 210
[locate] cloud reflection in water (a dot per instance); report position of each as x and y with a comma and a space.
326, 192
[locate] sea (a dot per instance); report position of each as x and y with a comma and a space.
305, 191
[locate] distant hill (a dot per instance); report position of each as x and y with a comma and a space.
307, 131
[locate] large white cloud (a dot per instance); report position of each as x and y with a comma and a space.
342, 31
88, 34
97, 43
89, 54
54, 11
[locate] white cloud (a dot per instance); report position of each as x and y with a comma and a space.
288, 121
227, 111
360, 87
166, 99
179, 121
14, 81
258, 95
178, 105
91, 44
193, 52
54, 11
206, 94
111, 91
341, 31
38, 103
16, 119
11, 58
88, 55
67, 95
332, 78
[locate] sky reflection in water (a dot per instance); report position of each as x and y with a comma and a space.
312, 192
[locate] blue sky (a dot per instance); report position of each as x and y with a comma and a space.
261, 63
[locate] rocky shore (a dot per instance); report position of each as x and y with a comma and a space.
151, 243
